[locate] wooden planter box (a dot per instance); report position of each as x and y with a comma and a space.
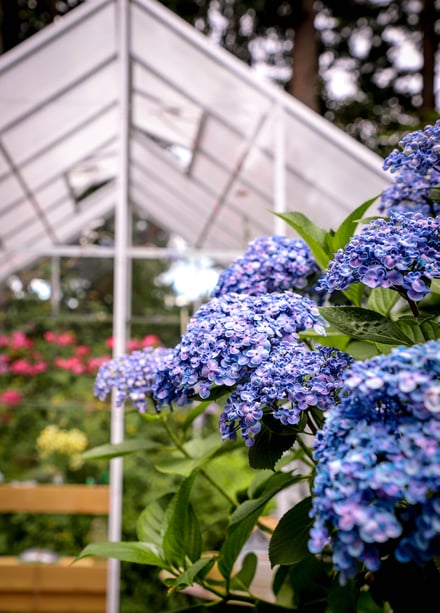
61, 586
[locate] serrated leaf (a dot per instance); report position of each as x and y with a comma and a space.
108, 451
138, 553
382, 300
364, 324
268, 447
313, 235
288, 544
346, 230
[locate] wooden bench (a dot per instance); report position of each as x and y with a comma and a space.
60, 586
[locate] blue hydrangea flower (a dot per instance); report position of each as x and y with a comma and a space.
132, 376
270, 264
291, 379
411, 192
402, 252
228, 337
377, 485
419, 151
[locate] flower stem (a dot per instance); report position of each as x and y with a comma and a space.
206, 475
413, 307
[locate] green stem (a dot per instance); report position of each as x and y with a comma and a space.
208, 477
308, 452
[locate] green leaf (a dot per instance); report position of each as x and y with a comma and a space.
435, 286
176, 466
188, 577
313, 235
435, 194
269, 447
274, 484
288, 544
108, 451
194, 413
362, 350
430, 329
244, 577
411, 328
234, 541
139, 553
354, 293
346, 230
244, 519
382, 300
150, 525
182, 538
200, 451
365, 325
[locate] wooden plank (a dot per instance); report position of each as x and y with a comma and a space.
51, 498
61, 577
52, 603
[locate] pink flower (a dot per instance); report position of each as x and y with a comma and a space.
67, 338
4, 364
72, 364
110, 342
97, 362
10, 397
21, 367
82, 350
151, 340
19, 340
133, 344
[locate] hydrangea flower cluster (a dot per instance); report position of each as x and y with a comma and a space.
411, 192
131, 375
402, 253
377, 487
227, 338
420, 151
270, 264
292, 379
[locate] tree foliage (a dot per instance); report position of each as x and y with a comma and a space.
374, 60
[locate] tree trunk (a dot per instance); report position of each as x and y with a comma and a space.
304, 82
430, 41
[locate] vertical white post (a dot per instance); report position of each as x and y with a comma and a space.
279, 177
120, 287
55, 294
